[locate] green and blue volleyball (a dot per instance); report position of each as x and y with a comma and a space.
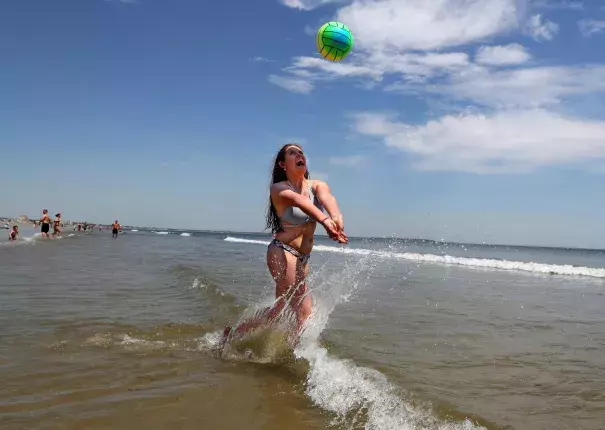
334, 41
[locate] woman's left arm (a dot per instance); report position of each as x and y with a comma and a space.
325, 197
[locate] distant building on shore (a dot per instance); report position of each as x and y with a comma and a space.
23, 218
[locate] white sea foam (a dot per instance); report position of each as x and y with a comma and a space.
127, 340
197, 284
237, 239
161, 232
357, 396
186, 234
210, 341
485, 263
350, 391
134, 231
33, 239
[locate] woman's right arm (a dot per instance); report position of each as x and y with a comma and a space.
294, 199
304, 204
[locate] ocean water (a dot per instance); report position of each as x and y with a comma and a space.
99, 333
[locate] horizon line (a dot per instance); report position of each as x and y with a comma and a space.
436, 241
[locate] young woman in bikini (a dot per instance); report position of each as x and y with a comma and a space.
57, 225
296, 206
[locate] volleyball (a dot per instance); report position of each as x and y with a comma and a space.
334, 41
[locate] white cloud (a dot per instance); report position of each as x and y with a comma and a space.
395, 25
347, 160
310, 31
304, 71
304, 66
528, 87
416, 67
305, 4
505, 142
294, 85
563, 4
262, 60
390, 36
590, 27
454, 76
376, 124
512, 121
502, 55
541, 30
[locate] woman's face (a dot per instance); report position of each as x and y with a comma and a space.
295, 160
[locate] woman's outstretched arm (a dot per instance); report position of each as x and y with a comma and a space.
325, 197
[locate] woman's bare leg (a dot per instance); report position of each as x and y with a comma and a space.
302, 297
290, 288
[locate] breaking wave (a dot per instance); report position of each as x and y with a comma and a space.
485, 263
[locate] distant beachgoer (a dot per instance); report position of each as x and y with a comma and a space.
296, 205
14, 233
57, 225
115, 229
45, 223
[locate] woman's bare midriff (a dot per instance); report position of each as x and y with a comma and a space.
299, 238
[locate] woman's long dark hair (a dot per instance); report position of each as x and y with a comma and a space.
278, 175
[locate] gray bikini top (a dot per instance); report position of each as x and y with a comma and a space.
294, 216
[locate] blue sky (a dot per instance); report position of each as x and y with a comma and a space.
453, 119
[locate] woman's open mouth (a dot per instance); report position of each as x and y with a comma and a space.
300, 163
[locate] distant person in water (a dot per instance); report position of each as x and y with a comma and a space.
296, 206
115, 229
57, 225
45, 223
14, 234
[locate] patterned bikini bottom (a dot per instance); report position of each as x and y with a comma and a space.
303, 258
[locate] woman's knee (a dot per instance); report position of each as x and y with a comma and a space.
304, 311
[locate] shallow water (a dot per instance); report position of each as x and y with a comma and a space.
102, 333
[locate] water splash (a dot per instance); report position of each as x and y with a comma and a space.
357, 396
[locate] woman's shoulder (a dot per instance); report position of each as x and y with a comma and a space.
279, 186
317, 183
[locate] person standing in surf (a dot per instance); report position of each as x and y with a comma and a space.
57, 225
115, 229
45, 223
14, 235
296, 206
